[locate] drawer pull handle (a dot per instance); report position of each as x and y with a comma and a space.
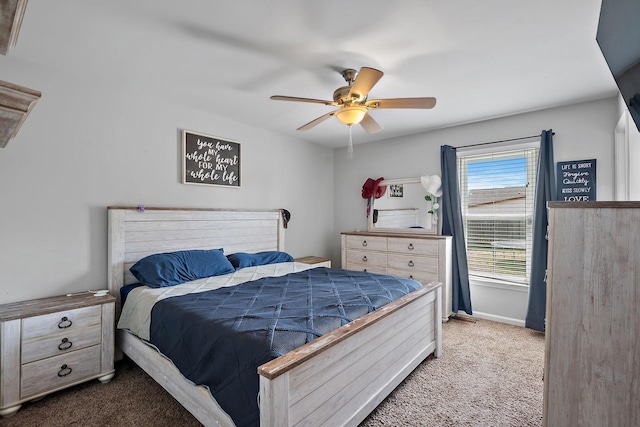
410, 247
364, 243
64, 323
64, 371
65, 344
411, 264
364, 258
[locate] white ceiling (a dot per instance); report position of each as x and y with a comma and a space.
480, 59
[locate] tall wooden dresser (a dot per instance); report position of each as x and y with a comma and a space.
592, 360
423, 257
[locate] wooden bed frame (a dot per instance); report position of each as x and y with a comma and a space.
337, 379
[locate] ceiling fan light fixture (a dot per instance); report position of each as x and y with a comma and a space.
351, 115
352, 103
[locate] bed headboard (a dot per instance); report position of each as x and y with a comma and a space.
135, 233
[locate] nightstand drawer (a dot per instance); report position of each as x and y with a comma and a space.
65, 342
62, 321
56, 372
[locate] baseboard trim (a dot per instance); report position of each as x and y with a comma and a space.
501, 319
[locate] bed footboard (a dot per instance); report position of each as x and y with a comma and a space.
339, 378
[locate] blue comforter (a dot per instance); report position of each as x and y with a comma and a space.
219, 338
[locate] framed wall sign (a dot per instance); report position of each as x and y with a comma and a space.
396, 190
209, 160
576, 181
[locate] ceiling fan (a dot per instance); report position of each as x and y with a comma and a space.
353, 104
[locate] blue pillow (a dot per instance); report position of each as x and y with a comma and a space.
174, 268
243, 259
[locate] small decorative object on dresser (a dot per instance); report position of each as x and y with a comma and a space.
53, 343
316, 261
422, 257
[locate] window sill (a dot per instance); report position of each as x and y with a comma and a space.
499, 284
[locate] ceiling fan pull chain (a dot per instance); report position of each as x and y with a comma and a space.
350, 147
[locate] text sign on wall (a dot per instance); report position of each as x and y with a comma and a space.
576, 181
210, 160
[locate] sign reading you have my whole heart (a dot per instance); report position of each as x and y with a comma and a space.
210, 160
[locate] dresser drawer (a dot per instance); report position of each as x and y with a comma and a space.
413, 246
420, 276
380, 269
65, 342
62, 321
412, 263
56, 372
367, 258
371, 243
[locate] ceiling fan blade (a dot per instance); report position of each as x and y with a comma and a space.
402, 103
293, 98
370, 125
314, 122
365, 80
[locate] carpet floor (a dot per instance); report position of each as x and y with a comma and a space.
490, 374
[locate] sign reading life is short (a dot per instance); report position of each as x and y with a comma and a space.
576, 181
210, 160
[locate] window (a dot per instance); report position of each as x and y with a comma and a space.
497, 192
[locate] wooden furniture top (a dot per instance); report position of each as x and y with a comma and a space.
312, 259
169, 208
405, 235
603, 204
37, 307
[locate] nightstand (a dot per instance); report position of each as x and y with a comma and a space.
53, 343
316, 261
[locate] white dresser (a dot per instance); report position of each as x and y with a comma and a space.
52, 343
425, 258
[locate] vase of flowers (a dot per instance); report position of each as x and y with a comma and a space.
433, 210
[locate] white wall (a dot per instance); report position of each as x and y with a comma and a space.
88, 145
627, 155
633, 154
582, 131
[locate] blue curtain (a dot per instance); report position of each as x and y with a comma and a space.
452, 226
545, 191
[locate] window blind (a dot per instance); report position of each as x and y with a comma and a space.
497, 194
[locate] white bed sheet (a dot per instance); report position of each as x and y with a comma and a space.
136, 312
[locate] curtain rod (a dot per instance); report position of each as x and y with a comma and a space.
503, 140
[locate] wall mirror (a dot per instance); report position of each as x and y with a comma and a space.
403, 208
